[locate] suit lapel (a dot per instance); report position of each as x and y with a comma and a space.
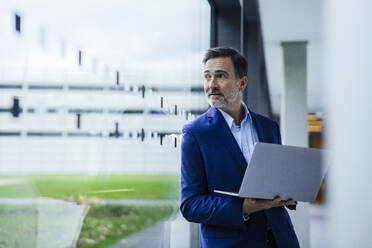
259, 127
225, 137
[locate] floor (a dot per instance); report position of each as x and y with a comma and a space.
318, 227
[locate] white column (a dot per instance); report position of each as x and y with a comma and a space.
293, 120
348, 70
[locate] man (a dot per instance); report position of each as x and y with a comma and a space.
216, 148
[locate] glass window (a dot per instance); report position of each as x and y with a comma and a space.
93, 98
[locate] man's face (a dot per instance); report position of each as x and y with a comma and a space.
220, 83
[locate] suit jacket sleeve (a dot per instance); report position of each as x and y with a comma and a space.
197, 204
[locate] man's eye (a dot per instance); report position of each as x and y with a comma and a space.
221, 76
206, 76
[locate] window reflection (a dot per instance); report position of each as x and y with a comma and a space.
90, 120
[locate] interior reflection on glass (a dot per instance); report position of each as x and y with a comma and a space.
91, 110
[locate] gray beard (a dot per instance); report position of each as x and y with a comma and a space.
227, 100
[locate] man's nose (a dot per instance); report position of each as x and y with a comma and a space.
213, 82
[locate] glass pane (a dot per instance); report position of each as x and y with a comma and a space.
93, 96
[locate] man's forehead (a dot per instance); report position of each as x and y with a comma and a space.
219, 64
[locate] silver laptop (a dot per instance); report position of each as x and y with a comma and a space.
286, 171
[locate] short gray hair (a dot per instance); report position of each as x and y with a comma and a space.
238, 60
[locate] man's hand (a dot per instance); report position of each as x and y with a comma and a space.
251, 205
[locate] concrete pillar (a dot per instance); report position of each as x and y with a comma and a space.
252, 53
348, 68
294, 122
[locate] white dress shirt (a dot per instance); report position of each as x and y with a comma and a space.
245, 136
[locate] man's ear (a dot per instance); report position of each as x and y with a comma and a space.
243, 83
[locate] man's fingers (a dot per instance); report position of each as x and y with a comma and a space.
266, 204
272, 203
288, 202
261, 204
277, 200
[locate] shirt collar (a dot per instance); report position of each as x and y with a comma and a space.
230, 120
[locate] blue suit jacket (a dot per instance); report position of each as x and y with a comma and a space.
211, 159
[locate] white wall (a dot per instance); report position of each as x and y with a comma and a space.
348, 69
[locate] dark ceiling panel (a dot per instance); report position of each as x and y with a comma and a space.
251, 10
227, 4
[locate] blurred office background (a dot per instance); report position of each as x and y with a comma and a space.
93, 96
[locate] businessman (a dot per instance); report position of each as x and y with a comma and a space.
216, 148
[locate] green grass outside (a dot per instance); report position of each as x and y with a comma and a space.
144, 187
103, 225
18, 226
